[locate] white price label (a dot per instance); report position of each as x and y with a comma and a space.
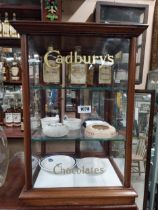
17, 117
84, 109
8, 117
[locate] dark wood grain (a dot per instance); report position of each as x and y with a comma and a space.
78, 29
23, 11
13, 83
13, 133
26, 112
9, 42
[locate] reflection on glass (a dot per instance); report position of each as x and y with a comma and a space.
84, 115
141, 140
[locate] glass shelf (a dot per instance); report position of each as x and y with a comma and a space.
9, 42
38, 136
96, 88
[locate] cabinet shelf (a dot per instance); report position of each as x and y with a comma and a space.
9, 42
13, 133
23, 11
94, 88
38, 136
13, 83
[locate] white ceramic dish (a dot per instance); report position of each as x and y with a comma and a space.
90, 122
57, 164
100, 130
55, 130
91, 165
49, 120
73, 123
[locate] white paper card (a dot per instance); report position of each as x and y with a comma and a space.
84, 109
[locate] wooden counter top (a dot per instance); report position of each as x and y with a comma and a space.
13, 132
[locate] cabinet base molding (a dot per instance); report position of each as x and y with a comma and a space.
112, 198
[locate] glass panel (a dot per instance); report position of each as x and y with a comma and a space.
152, 82
117, 149
141, 139
78, 103
130, 13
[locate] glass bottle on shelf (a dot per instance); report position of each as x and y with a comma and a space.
15, 69
9, 113
105, 76
90, 75
22, 118
36, 115
6, 26
51, 69
1, 68
22, 125
46, 111
13, 32
31, 69
36, 76
5, 70
53, 102
4, 157
77, 70
1, 115
49, 105
1, 27
17, 114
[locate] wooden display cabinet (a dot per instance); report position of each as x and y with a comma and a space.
23, 11
108, 190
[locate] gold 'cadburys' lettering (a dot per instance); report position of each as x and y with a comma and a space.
90, 59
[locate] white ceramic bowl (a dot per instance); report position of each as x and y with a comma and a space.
73, 123
55, 130
92, 165
49, 120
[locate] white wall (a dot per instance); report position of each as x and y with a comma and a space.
81, 11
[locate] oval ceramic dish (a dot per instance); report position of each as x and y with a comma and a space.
91, 165
55, 130
73, 123
49, 120
58, 164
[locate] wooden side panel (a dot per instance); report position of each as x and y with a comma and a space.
130, 112
26, 112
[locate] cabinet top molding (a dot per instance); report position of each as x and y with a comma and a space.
77, 29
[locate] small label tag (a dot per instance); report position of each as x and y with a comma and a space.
84, 109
